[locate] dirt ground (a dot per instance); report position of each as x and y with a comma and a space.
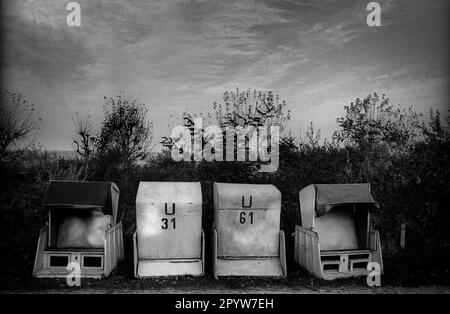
187, 285
393, 281
255, 290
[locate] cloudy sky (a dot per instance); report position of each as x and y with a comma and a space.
175, 55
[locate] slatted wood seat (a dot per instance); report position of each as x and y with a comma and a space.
89, 250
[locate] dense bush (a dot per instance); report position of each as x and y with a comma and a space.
24, 178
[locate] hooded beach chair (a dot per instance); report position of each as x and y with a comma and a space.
169, 239
247, 240
335, 239
82, 228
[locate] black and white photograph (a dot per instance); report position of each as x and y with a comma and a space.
223, 154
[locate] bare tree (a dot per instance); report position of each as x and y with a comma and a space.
84, 139
373, 121
16, 120
125, 131
250, 109
312, 137
255, 108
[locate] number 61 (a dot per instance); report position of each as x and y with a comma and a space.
243, 217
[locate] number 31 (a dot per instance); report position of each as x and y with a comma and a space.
166, 222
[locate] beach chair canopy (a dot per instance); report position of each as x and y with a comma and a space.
328, 196
75, 195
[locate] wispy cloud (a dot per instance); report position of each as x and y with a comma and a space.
318, 55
